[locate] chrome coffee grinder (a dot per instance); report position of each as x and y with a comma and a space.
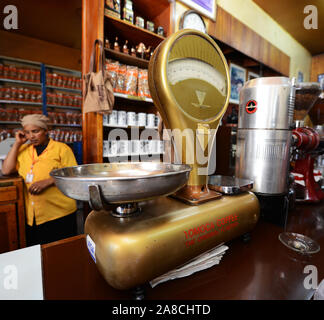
266, 110
136, 231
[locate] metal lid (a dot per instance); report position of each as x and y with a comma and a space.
229, 185
266, 103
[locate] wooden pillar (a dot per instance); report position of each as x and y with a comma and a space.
92, 29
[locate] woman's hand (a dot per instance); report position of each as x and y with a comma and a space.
20, 137
10, 163
39, 186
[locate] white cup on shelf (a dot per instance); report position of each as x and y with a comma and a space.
150, 147
113, 118
155, 146
135, 147
105, 148
131, 118
112, 148
156, 121
122, 118
105, 119
150, 120
141, 119
122, 147
160, 146
143, 146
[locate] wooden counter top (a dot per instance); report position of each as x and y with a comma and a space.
261, 269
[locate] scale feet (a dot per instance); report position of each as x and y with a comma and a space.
246, 237
138, 293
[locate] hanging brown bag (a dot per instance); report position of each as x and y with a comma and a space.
98, 93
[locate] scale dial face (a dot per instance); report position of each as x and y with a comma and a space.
197, 78
192, 20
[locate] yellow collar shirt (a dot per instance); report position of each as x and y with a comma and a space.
51, 203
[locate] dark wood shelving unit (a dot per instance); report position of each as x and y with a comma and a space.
127, 58
131, 32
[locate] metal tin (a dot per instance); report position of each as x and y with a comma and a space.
160, 31
139, 21
150, 26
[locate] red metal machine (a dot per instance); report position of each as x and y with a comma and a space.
307, 144
306, 141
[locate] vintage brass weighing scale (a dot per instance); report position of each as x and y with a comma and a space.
136, 231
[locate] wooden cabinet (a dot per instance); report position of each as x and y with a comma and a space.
96, 25
12, 215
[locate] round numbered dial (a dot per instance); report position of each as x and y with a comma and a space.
192, 20
197, 87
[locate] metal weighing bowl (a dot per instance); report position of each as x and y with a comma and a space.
123, 182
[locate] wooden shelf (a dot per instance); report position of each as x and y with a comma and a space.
127, 59
9, 122
65, 125
133, 98
21, 102
64, 89
128, 127
132, 154
64, 107
28, 83
132, 33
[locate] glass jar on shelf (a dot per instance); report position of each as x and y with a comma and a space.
49, 79
54, 79
68, 82
1, 69
3, 114
39, 96
27, 75
20, 74
37, 72
60, 99
62, 135
9, 115
14, 93
55, 118
62, 118
6, 72
33, 96
59, 80
12, 72
49, 98
73, 83
51, 134
21, 94
27, 95
7, 95
2, 93
32, 75
15, 115
57, 134
64, 81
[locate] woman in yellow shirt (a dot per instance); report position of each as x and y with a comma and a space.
49, 214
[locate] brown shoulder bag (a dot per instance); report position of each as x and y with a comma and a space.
98, 92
